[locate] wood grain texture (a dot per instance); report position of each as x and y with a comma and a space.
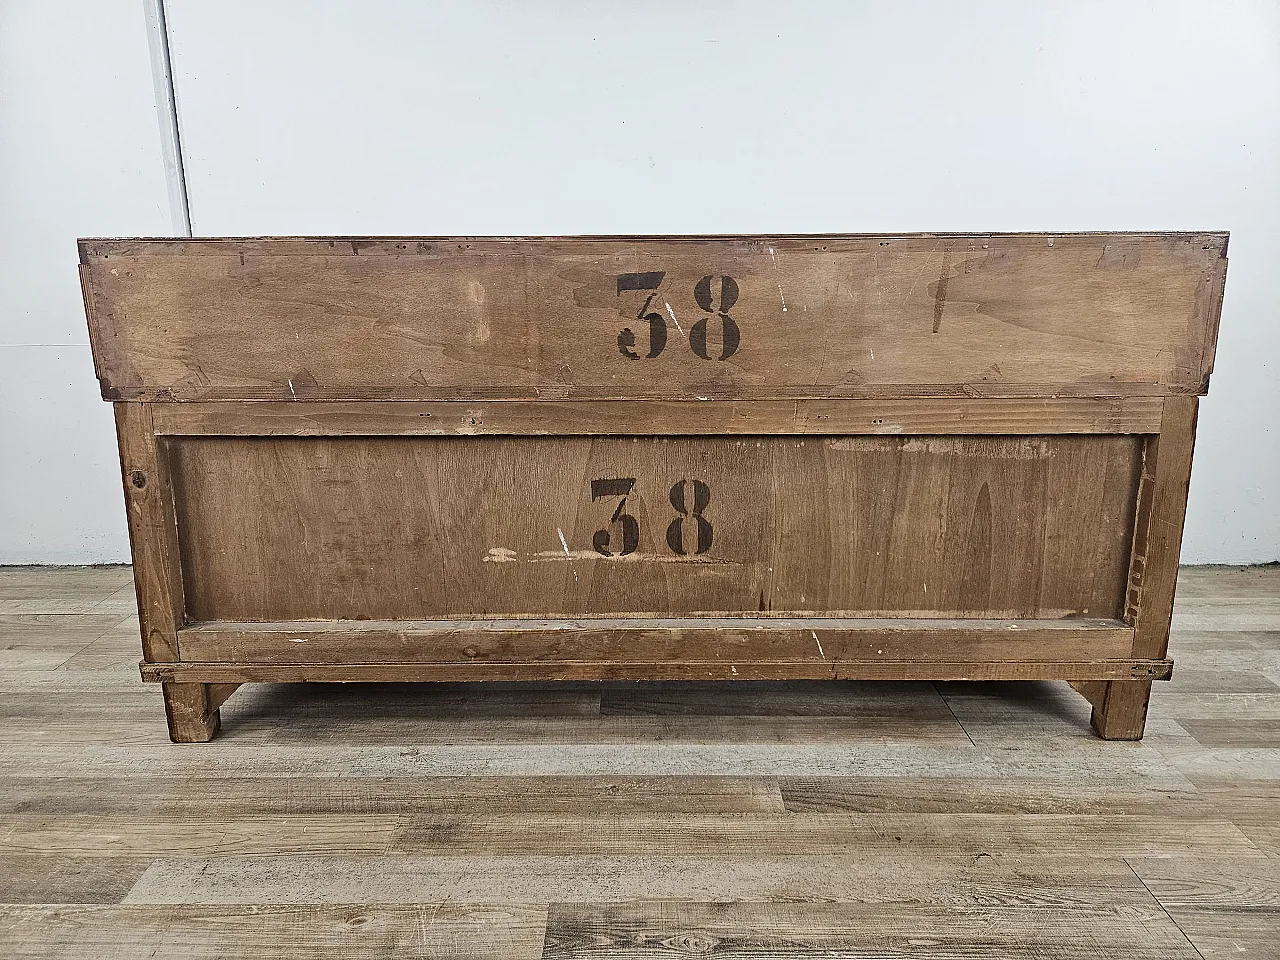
1030, 415
892, 879
654, 427
1158, 534
429, 527
672, 819
562, 669
1120, 709
153, 535
982, 315
822, 640
239, 796
997, 795
45, 878
675, 835
353, 932
766, 931
192, 710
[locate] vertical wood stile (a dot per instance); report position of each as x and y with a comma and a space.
1120, 706
153, 532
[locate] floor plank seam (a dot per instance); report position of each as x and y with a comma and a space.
1163, 909
951, 710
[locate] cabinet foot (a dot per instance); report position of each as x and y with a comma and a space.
192, 709
1119, 706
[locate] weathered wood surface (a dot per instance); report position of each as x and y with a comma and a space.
794, 819
192, 709
432, 527
1027, 415
642, 640
781, 931
811, 317
982, 427
153, 535
1162, 510
939, 668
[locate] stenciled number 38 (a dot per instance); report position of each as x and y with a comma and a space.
715, 295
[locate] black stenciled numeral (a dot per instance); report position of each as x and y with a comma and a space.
602, 540
657, 322
715, 295
701, 499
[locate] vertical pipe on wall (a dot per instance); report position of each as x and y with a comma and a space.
167, 115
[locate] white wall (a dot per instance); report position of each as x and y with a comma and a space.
79, 155
406, 117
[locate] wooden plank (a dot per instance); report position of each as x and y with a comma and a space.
153, 534
167, 836
1137, 929
890, 878
44, 641
1015, 847
37, 878
724, 640
847, 704
1235, 733
992, 795
354, 932
1227, 590
1158, 539
815, 834
1033, 415
1212, 308
1238, 934
1120, 709
463, 527
989, 315
1226, 907
940, 669
232, 795
1186, 883
45, 584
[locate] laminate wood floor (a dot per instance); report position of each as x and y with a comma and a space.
635, 820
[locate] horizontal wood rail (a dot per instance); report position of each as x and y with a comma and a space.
1102, 670
980, 315
735, 646
1030, 415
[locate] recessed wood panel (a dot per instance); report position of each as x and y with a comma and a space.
608, 318
391, 528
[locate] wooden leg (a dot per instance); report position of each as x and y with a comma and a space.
1119, 706
192, 709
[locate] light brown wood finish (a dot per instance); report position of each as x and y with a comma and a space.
1042, 415
192, 710
1158, 536
566, 669
153, 535
656, 428
1120, 708
585, 820
980, 315
821, 641
423, 528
